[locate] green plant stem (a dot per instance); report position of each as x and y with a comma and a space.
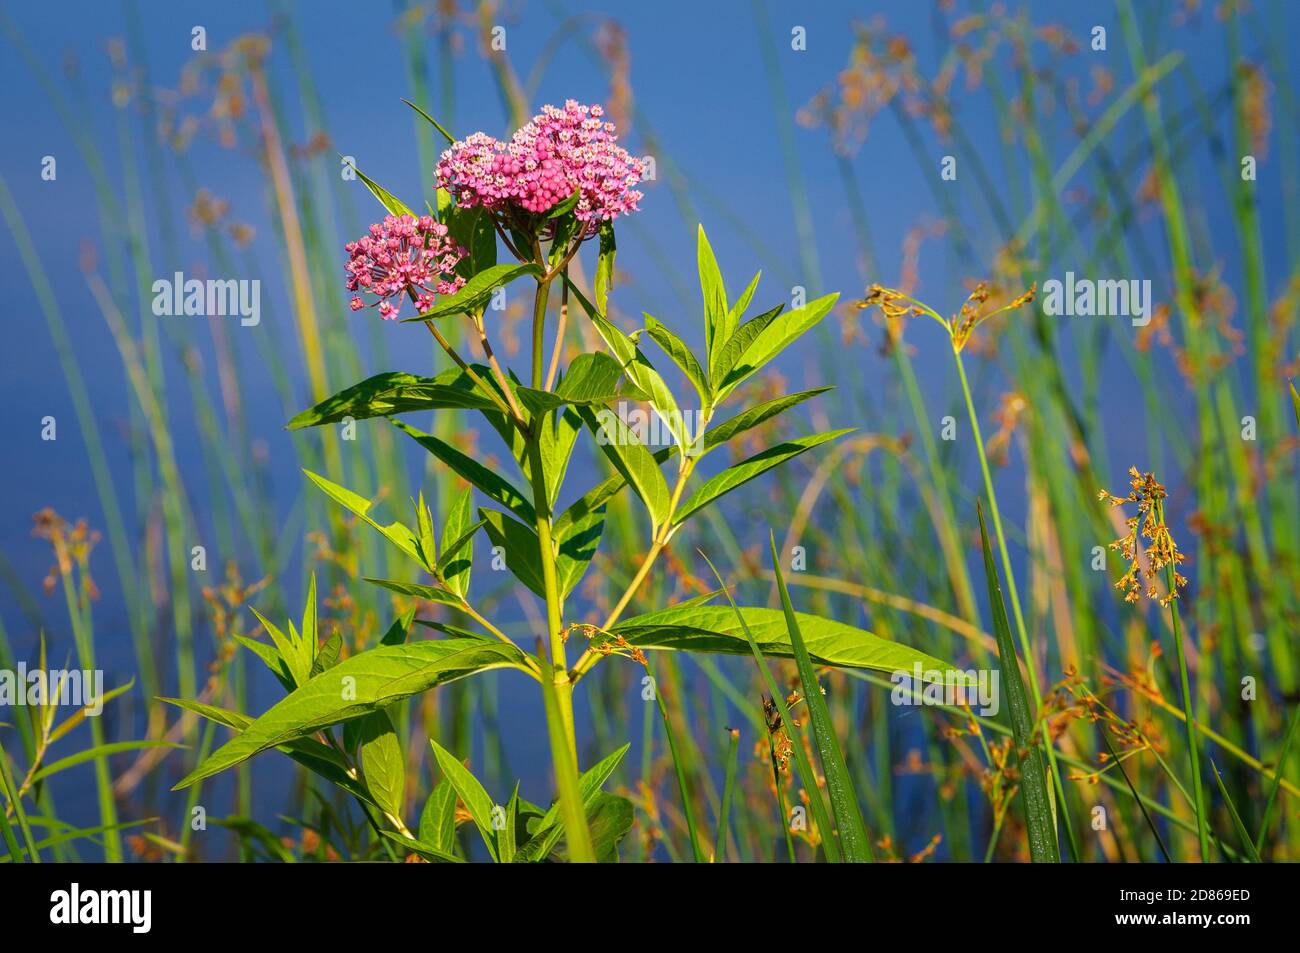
1021, 632
1193, 755
557, 685
539, 327
728, 789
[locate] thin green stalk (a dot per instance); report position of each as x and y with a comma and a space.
1040, 821
820, 815
11, 794
854, 841
1277, 779
1189, 711
728, 788
1115, 760
678, 770
1058, 791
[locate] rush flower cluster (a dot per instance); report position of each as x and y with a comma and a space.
1162, 551
559, 152
403, 256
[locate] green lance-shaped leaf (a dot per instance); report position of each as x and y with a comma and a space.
748, 469
717, 316
487, 481
549, 829
383, 764
1041, 828
471, 793
783, 331
392, 203
717, 629
603, 281
433, 122
438, 819
309, 632
760, 413
642, 376
364, 683
396, 634
590, 380
476, 292
426, 850
329, 653
854, 842
270, 656
609, 818
576, 548
742, 303
394, 392
310, 753
473, 229
457, 556
520, 546
559, 437
727, 354
634, 462
681, 355
397, 532
419, 591
286, 651
713, 438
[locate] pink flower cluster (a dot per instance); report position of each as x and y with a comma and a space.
558, 152
401, 256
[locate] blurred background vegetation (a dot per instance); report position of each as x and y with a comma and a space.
815, 155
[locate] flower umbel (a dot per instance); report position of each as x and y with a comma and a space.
557, 153
1149, 522
403, 256
895, 305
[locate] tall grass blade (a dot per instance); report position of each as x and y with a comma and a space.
839, 784
1237, 823
679, 771
1033, 778
820, 814
1281, 759
728, 789
1119, 765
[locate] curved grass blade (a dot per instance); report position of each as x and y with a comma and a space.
1242, 835
806, 775
1132, 790
1043, 847
728, 788
1281, 760
678, 770
854, 841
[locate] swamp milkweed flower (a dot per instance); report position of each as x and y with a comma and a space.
558, 153
403, 256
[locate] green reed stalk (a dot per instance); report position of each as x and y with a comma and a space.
1189, 710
